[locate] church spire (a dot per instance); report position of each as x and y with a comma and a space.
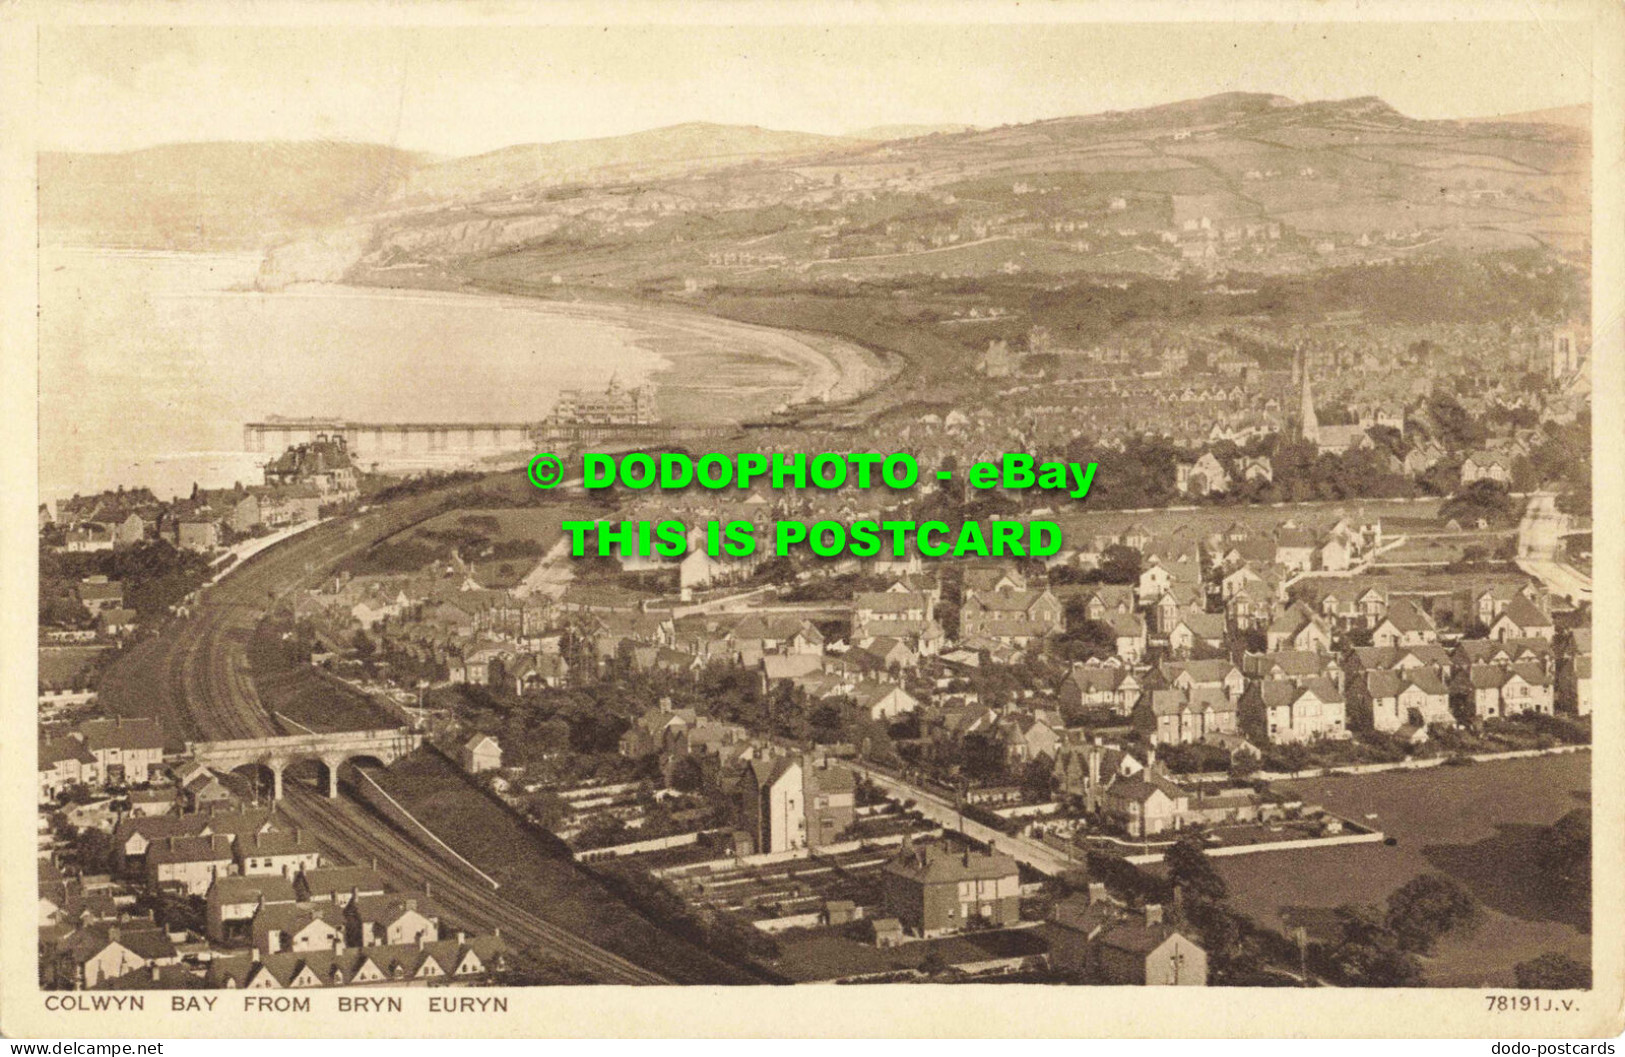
1308, 422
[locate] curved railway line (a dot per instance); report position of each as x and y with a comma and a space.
194, 676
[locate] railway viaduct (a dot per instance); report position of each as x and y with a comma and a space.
331, 750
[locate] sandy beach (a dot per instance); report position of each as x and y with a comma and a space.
152, 363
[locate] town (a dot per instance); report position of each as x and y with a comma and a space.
884, 769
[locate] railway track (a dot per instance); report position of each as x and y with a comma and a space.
195, 675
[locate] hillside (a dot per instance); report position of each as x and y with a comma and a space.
214, 195
657, 153
1250, 181
882, 133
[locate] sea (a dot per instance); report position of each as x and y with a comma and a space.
150, 363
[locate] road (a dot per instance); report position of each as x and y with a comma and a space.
1540, 535
939, 809
194, 676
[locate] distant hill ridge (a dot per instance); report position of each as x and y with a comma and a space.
202, 195
665, 151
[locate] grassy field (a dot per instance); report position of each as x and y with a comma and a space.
296, 690
537, 876
533, 523
1202, 521
1476, 824
60, 665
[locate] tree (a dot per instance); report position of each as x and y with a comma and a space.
686, 775
1119, 565
549, 810
1427, 907
1192, 871
1368, 953
551, 735
1485, 499
1038, 780
1084, 638
1565, 850
1553, 972
94, 850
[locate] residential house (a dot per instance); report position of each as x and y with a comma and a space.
1508, 690
1129, 631
884, 701
127, 751
935, 889
1298, 628
97, 593
1405, 624
278, 927
338, 884
790, 804
189, 864
481, 753
1107, 945
1195, 630
1287, 710
1486, 466
1012, 617
388, 920
1522, 619
1100, 686
1185, 716
1218, 673
278, 852
97, 954
231, 902
1147, 804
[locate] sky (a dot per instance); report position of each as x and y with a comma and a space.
459, 90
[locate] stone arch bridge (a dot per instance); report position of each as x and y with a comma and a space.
330, 750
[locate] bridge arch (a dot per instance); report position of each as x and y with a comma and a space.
265, 774
329, 752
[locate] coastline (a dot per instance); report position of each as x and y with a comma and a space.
835, 370
708, 369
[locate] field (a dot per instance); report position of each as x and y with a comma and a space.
539, 523
1204, 520
59, 666
1476, 824
295, 690
536, 874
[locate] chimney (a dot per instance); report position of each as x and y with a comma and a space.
411, 904
420, 941
255, 954
338, 943
112, 934
157, 974
1153, 914
1151, 757
1097, 892
497, 932
374, 862
461, 936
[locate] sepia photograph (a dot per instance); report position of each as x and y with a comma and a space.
711, 496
